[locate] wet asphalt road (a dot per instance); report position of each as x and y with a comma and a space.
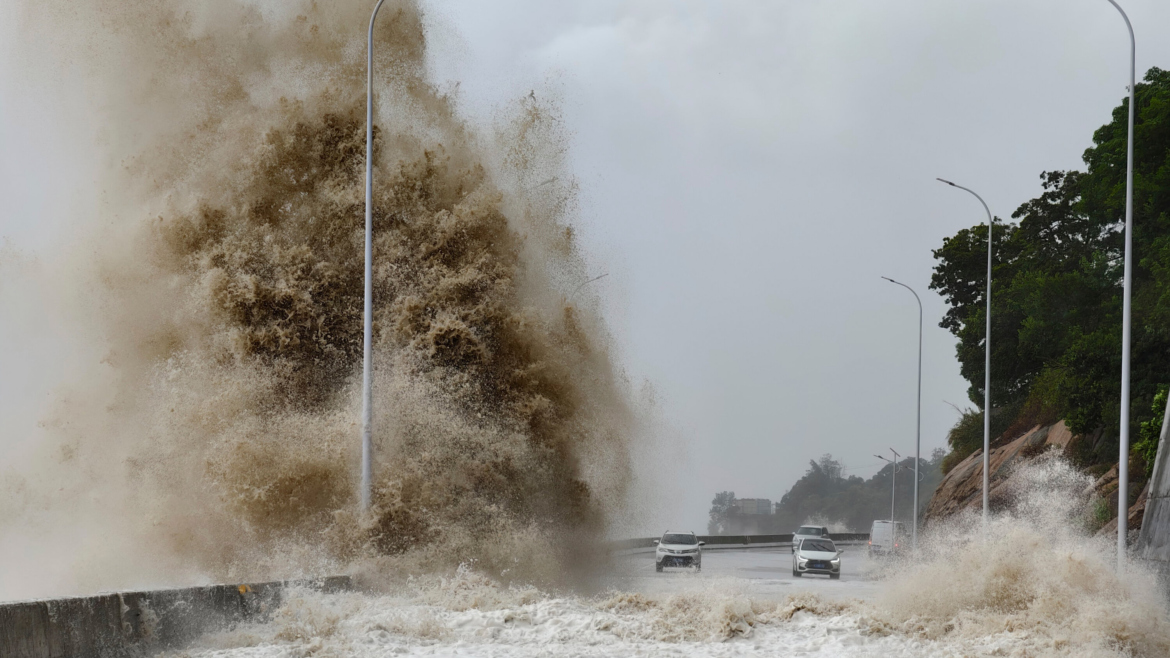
763, 572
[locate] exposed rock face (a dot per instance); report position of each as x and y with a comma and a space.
962, 487
1136, 513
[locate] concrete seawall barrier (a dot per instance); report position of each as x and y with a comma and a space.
136, 624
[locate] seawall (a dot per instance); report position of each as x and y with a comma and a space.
136, 624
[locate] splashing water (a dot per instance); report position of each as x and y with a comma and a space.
1038, 587
218, 440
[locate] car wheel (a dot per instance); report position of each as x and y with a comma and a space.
658, 567
698, 568
834, 576
795, 573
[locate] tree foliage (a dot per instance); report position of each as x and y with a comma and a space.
1057, 288
1146, 446
722, 507
825, 493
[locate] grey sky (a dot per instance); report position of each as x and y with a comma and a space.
748, 171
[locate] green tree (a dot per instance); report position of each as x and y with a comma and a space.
722, 506
1056, 293
825, 493
1146, 447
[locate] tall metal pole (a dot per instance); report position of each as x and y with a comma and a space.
894, 484
367, 330
918, 426
893, 479
1127, 285
986, 360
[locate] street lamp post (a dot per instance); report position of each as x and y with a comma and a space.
367, 318
986, 360
918, 426
893, 480
1127, 289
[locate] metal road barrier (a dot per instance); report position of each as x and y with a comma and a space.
735, 542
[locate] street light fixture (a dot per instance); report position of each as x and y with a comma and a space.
367, 315
1127, 289
918, 426
986, 359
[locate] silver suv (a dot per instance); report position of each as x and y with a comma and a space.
678, 549
809, 532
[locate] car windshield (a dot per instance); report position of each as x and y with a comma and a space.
818, 545
809, 530
679, 539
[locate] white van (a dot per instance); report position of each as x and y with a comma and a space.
886, 538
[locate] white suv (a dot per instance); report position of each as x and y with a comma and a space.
678, 549
808, 532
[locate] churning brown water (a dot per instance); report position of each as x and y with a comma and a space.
220, 438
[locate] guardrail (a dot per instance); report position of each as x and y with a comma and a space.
137, 623
735, 541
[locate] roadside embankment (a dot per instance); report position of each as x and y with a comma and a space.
962, 487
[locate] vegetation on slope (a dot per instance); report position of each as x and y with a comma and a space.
1057, 295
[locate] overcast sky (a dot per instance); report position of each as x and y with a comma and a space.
748, 171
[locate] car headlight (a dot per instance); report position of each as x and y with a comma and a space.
802, 561
835, 561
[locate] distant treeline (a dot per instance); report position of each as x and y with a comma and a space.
1057, 297
825, 495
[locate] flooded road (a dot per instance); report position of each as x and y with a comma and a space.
765, 572
743, 603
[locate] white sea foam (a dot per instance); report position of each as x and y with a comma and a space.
1037, 586
701, 618
702, 622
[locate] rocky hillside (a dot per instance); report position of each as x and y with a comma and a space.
961, 488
